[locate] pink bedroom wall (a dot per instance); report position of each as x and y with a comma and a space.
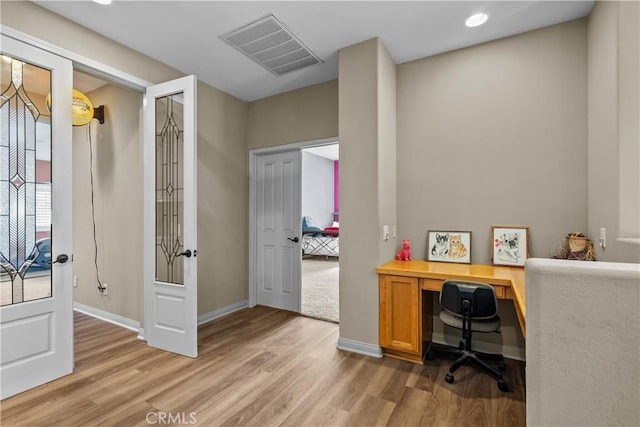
336, 185
43, 174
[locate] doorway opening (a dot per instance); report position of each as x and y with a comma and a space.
281, 245
107, 160
320, 244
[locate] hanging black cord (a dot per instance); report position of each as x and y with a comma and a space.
93, 213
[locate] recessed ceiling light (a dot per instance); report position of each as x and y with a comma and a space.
103, 2
475, 20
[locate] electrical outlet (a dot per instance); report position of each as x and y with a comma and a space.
75, 281
105, 289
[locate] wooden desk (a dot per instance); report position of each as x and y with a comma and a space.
406, 312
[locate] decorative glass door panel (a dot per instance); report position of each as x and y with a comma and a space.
169, 189
170, 237
25, 183
36, 316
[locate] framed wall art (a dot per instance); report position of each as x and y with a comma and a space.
449, 246
510, 244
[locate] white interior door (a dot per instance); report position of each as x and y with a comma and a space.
278, 229
36, 316
170, 234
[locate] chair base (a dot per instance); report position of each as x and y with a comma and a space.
466, 356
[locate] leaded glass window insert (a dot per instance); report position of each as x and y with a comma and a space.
169, 189
25, 167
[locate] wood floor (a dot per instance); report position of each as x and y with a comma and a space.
259, 367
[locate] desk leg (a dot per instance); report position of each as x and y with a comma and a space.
427, 320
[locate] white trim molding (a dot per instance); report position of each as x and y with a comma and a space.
359, 347
253, 200
216, 314
107, 317
80, 62
630, 240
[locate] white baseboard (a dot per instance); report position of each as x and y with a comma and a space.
359, 347
216, 314
135, 326
107, 317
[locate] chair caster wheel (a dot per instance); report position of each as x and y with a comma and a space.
501, 367
449, 378
502, 386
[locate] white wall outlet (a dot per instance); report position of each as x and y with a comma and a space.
75, 281
603, 238
105, 289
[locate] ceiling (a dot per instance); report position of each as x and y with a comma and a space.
185, 34
327, 151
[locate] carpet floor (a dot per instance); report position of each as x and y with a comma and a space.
320, 279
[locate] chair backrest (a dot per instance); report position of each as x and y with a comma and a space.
484, 304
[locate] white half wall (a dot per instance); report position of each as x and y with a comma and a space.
583, 343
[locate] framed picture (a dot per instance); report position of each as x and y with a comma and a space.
510, 244
449, 246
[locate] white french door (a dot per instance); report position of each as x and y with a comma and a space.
170, 233
36, 316
278, 229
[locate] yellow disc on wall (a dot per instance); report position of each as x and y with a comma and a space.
81, 108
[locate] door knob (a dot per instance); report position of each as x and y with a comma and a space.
294, 240
186, 253
62, 258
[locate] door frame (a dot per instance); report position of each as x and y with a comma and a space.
97, 68
253, 192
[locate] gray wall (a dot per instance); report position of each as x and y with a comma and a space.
317, 189
613, 26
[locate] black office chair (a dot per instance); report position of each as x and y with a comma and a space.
472, 307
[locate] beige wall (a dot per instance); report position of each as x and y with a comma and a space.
117, 175
45, 25
300, 115
222, 177
496, 134
223, 200
367, 133
614, 123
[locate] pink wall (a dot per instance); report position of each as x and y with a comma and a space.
43, 171
43, 174
336, 186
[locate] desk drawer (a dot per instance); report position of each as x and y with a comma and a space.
435, 285
431, 284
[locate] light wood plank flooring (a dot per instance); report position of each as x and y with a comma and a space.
258, 367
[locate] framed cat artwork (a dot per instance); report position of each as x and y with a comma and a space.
510, 244
449, 246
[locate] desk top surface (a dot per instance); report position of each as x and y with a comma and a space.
492, 274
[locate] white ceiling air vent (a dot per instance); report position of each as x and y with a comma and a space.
268, 42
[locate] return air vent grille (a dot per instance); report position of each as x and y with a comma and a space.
268, 42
